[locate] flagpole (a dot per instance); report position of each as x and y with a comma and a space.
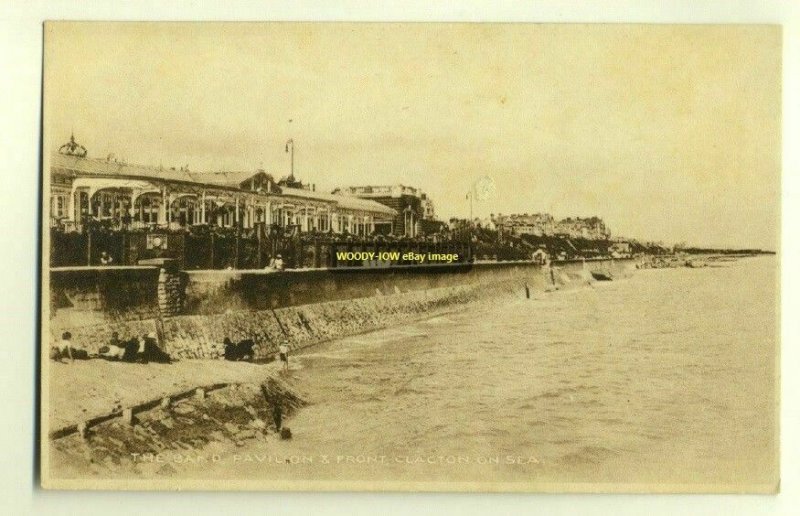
470, 225
290, 145
471, 196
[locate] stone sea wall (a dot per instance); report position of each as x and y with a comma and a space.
108, 294
192, 313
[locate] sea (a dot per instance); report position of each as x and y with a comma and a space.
665, 380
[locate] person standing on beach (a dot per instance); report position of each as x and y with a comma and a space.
283, 354
277, 414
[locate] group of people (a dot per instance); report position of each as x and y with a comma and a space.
276, 264
106, 259
243, 351
146, 349
142, 349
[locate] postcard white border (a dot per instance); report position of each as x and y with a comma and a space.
20, 58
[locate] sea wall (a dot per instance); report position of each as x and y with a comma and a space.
300, 308
109, 294
207, 291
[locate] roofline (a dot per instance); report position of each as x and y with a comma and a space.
159, 179
380, 208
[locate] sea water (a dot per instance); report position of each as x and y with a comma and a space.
668, 376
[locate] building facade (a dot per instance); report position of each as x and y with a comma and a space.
538, 224
140, 197
412, 206
543, 224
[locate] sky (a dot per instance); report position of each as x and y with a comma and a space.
670, 133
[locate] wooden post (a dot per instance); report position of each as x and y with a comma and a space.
165, 402
88, 245
127, 416
199, 394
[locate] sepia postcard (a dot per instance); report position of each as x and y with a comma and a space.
410, 256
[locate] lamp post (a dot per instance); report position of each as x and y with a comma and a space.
471, 195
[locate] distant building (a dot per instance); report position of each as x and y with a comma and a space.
428, 212
486, 223
543, 224
620, 249
538, 224
590, 228
414, 209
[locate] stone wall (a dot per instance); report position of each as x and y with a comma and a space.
107, 293
201, 336
192, 313
171, 292
124, 299
209, 292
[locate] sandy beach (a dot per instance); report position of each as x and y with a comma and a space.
89, 388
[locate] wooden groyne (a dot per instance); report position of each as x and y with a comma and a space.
272, 390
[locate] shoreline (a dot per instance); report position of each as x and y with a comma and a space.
315, 357
96, 389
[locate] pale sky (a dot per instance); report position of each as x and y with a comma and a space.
667, 132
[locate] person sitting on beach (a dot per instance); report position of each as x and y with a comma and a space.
131, 350
62, 349
283, 355
65, 350
150, 352
115, 350
243, 350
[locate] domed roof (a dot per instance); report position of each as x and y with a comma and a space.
73, 148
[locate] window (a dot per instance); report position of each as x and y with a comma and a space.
58, 206
148, 208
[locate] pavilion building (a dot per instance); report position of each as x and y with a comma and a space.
141, 197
